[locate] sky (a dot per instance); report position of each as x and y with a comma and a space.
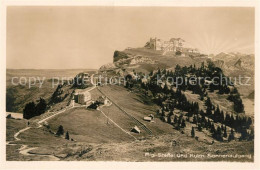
86, 37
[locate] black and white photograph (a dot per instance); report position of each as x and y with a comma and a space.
125, 83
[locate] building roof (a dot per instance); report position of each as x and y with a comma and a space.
84, 93
148, 118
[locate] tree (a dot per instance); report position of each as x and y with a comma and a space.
209, 124
211, 87
179, 120
29, 110
183, 124
193, 132
199, 127
127, 84
217, 116
218, 134
41, 107
244, 134
209, 112
238, 106
56, 96
251, 136
195, 121
249, 122
60, 131
208, 102
202, 113
201, 96
177, 127
222, 117
231, 136
225, 132
165, 89
233, 121
213, 130
221, 89
228, 120
175, 119
222, 127
234, 91
67, 136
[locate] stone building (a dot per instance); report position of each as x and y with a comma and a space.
175, 44
82, 97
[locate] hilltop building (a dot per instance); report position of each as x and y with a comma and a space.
82, 97
174, 44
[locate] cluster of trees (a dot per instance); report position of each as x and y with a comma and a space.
236, 99
217, 134
177, 98
223, 89
31, 109
178, 121
94, 105
214, 112
60, 132
194, 78
238, 122
169, 99
56, 96
129, 84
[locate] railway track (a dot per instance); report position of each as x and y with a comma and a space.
140, 124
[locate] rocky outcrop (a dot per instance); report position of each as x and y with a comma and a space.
109, 66
238, 63
119, 55
140, 59
219, 63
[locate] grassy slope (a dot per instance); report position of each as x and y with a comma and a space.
216, 99
13, 126
163, 144
138, 106
90, 126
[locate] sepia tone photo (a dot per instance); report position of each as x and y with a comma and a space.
130, 83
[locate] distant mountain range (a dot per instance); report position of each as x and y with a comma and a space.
235, 65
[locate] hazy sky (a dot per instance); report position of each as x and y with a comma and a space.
86, 37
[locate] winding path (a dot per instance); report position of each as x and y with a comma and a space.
24, 149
